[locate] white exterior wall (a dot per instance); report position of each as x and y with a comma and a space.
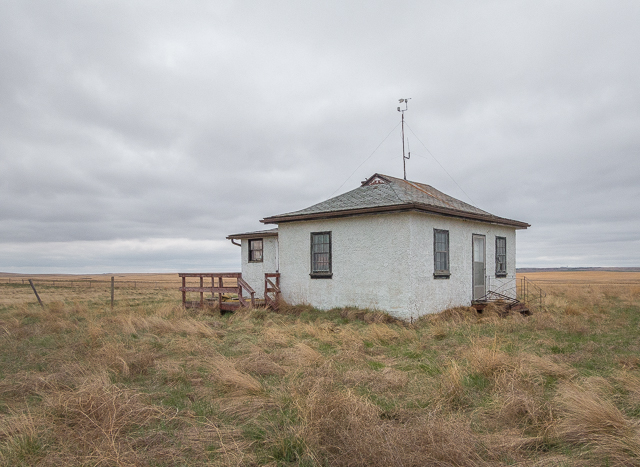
369, 256
430, 295
253, 273
385, 261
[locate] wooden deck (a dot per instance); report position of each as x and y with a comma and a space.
227, 291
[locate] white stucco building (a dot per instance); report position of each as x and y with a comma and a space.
390, 244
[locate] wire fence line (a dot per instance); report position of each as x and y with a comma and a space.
90, 283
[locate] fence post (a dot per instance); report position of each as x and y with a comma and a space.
35, 292
201, 292
184, 294
112, 279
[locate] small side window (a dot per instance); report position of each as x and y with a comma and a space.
441, 254
255, 250
501, 257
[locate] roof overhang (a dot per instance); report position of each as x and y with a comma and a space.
256, 234
397, 208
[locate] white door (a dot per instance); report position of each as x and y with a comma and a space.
479, 268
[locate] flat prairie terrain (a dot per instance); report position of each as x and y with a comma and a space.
94, 288
149, 383
583, 277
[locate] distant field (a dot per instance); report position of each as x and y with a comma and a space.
132, 288
136, 288
93, 288
143, 278
583, 277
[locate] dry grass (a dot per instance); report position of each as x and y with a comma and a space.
590, 419
349, 430
149, 383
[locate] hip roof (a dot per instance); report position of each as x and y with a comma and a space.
383, 193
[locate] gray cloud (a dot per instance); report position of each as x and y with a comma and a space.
172, 125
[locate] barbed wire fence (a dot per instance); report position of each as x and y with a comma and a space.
89, 283
108, 289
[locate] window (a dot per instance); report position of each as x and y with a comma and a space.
501, 257
321, 255
255, 250
441, 253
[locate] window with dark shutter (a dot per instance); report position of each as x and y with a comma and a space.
321, 255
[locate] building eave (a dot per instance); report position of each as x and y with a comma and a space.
397, 208
256, 234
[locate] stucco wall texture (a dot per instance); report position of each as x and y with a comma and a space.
381, 261
253, 273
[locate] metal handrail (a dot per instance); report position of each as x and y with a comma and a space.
519, 288
529, 292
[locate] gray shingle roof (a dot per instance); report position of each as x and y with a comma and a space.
381, 193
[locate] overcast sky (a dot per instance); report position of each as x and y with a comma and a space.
136, 135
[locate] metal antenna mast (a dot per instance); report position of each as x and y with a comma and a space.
405, 158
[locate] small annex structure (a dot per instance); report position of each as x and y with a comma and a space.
390, 244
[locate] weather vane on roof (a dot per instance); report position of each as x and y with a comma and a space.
408, 155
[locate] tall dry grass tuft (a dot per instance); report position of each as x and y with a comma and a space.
450, 388
347, 430
382, 334
495, 310
259, 363
516, 403
295, 310
350, 341
131, 324
224, 371
456, 315
300, 355
123, 361
23, 438
389, 379
631, 384
368, 316
325, 332
488, 361
228, 444
275, 336
534, 368
589, 419
94, 421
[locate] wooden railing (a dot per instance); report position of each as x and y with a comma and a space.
218, 287
271, 287
242, 284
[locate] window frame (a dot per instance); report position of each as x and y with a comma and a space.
315, 273
500, 272
441, 273
261, 250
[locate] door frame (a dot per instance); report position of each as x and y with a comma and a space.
484, 269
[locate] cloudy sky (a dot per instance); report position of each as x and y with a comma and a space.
136, 135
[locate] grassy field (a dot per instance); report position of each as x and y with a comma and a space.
151, 384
